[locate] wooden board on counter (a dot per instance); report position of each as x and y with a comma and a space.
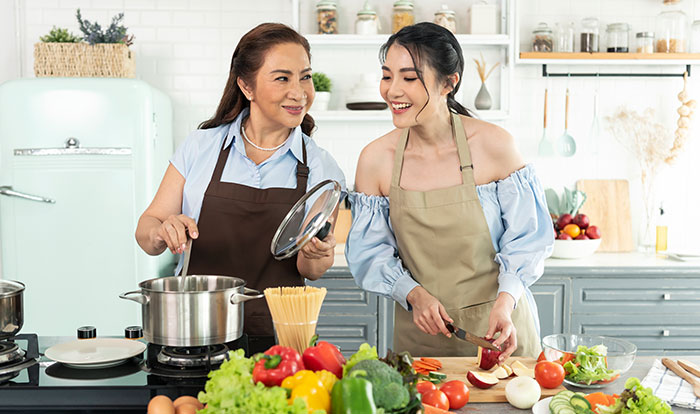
456, 368
608, 207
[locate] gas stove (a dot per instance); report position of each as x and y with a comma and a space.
39, 385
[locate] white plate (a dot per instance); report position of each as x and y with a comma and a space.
542, 406
95, 353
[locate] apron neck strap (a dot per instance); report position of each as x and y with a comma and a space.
465, 159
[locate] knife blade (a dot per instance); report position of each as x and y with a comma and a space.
469, 337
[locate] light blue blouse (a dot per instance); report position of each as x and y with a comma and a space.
518, 219
196, 158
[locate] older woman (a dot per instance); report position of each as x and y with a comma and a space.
232, 181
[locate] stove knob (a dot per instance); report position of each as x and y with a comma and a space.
133, 332
87, 332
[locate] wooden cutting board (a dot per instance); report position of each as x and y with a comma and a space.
456, 368
608, 207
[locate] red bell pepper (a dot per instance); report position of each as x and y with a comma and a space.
324, 355
276, 364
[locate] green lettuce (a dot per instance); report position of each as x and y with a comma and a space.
589, 365
636, 399
364, 352
230, 390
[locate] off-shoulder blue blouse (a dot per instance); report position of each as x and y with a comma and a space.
518, 219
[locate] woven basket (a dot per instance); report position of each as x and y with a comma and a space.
103, 60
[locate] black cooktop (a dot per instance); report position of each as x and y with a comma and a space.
126, 388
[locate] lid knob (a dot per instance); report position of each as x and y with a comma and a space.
133, 332
87, 332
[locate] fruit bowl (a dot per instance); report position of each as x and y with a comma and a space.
574, 249
619, 358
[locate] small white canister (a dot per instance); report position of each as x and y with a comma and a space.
484, 19
367, 22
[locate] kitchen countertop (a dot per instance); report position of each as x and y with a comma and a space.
640, 368
600, 260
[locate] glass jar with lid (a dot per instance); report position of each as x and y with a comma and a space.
695, 37
446, 18
367, 22
542, 40
644, 42
589, 34
564, 37
671, 28
618, 38
327, 17
403, 15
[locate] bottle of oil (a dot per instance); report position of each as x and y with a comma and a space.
661, 231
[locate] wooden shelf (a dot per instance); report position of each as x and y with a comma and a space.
385, 116
602, 58
378, 40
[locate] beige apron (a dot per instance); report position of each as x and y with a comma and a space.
444, 241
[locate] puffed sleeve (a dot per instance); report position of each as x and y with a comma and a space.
371, 250
528, 238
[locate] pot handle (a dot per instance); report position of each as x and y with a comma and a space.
237, 298
142, 299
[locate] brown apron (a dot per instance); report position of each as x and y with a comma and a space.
444, 241
236, 225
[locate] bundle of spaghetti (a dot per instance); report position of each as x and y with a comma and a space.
295, 313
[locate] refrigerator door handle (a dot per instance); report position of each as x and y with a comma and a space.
7, 190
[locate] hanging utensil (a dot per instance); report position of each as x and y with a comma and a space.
544, 149
566, 144
594, 133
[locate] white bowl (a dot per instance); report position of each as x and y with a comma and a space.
574, 249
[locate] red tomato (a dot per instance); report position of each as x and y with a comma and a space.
436, 398
549, 374
424, 386
457, 392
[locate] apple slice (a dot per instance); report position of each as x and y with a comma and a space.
520, 370
500, 373
508, 369
482, 380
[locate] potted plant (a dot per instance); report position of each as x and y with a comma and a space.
322, 85
106, 53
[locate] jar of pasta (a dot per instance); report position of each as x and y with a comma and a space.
403, 15
671, 28
327, 17
446, 18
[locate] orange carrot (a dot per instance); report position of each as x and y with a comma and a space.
429, 409
432, 361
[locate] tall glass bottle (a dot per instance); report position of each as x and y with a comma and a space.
672, 28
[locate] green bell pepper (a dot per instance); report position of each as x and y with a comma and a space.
353, 395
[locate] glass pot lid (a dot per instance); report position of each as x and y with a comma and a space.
306, 220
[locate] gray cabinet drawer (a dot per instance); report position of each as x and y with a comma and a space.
636, 295
348, 332
648, 332
550, 306
344, 297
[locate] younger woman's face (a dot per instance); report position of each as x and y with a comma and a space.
404, 92
283, 90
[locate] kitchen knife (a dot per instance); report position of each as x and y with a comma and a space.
466, 336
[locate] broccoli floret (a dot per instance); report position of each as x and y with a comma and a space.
387, 384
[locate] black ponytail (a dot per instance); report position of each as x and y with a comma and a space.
436, 47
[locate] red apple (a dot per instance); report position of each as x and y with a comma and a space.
487, 358
582, 221
564, 236
593, 232
582, 237
481, 380
563, 220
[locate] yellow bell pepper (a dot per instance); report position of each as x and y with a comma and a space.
328, 379
307, 386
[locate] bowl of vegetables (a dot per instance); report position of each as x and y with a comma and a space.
590, 361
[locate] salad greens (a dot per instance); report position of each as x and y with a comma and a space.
230, 390
636, 399
589, 365
364, 352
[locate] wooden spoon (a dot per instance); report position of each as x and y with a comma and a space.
673, 366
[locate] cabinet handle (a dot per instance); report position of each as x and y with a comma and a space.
667, 296
665, 332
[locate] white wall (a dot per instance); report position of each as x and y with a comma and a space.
184, 48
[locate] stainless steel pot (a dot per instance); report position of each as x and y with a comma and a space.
208, 311
11, 308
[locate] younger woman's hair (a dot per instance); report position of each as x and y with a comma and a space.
247, 60
432, 45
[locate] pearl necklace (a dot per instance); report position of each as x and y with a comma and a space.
258, 147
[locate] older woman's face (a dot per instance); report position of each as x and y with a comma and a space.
283, 90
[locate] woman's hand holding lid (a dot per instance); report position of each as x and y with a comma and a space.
318, 249
428, 313
173, 232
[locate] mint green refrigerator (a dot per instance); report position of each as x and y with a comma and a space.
80, 160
